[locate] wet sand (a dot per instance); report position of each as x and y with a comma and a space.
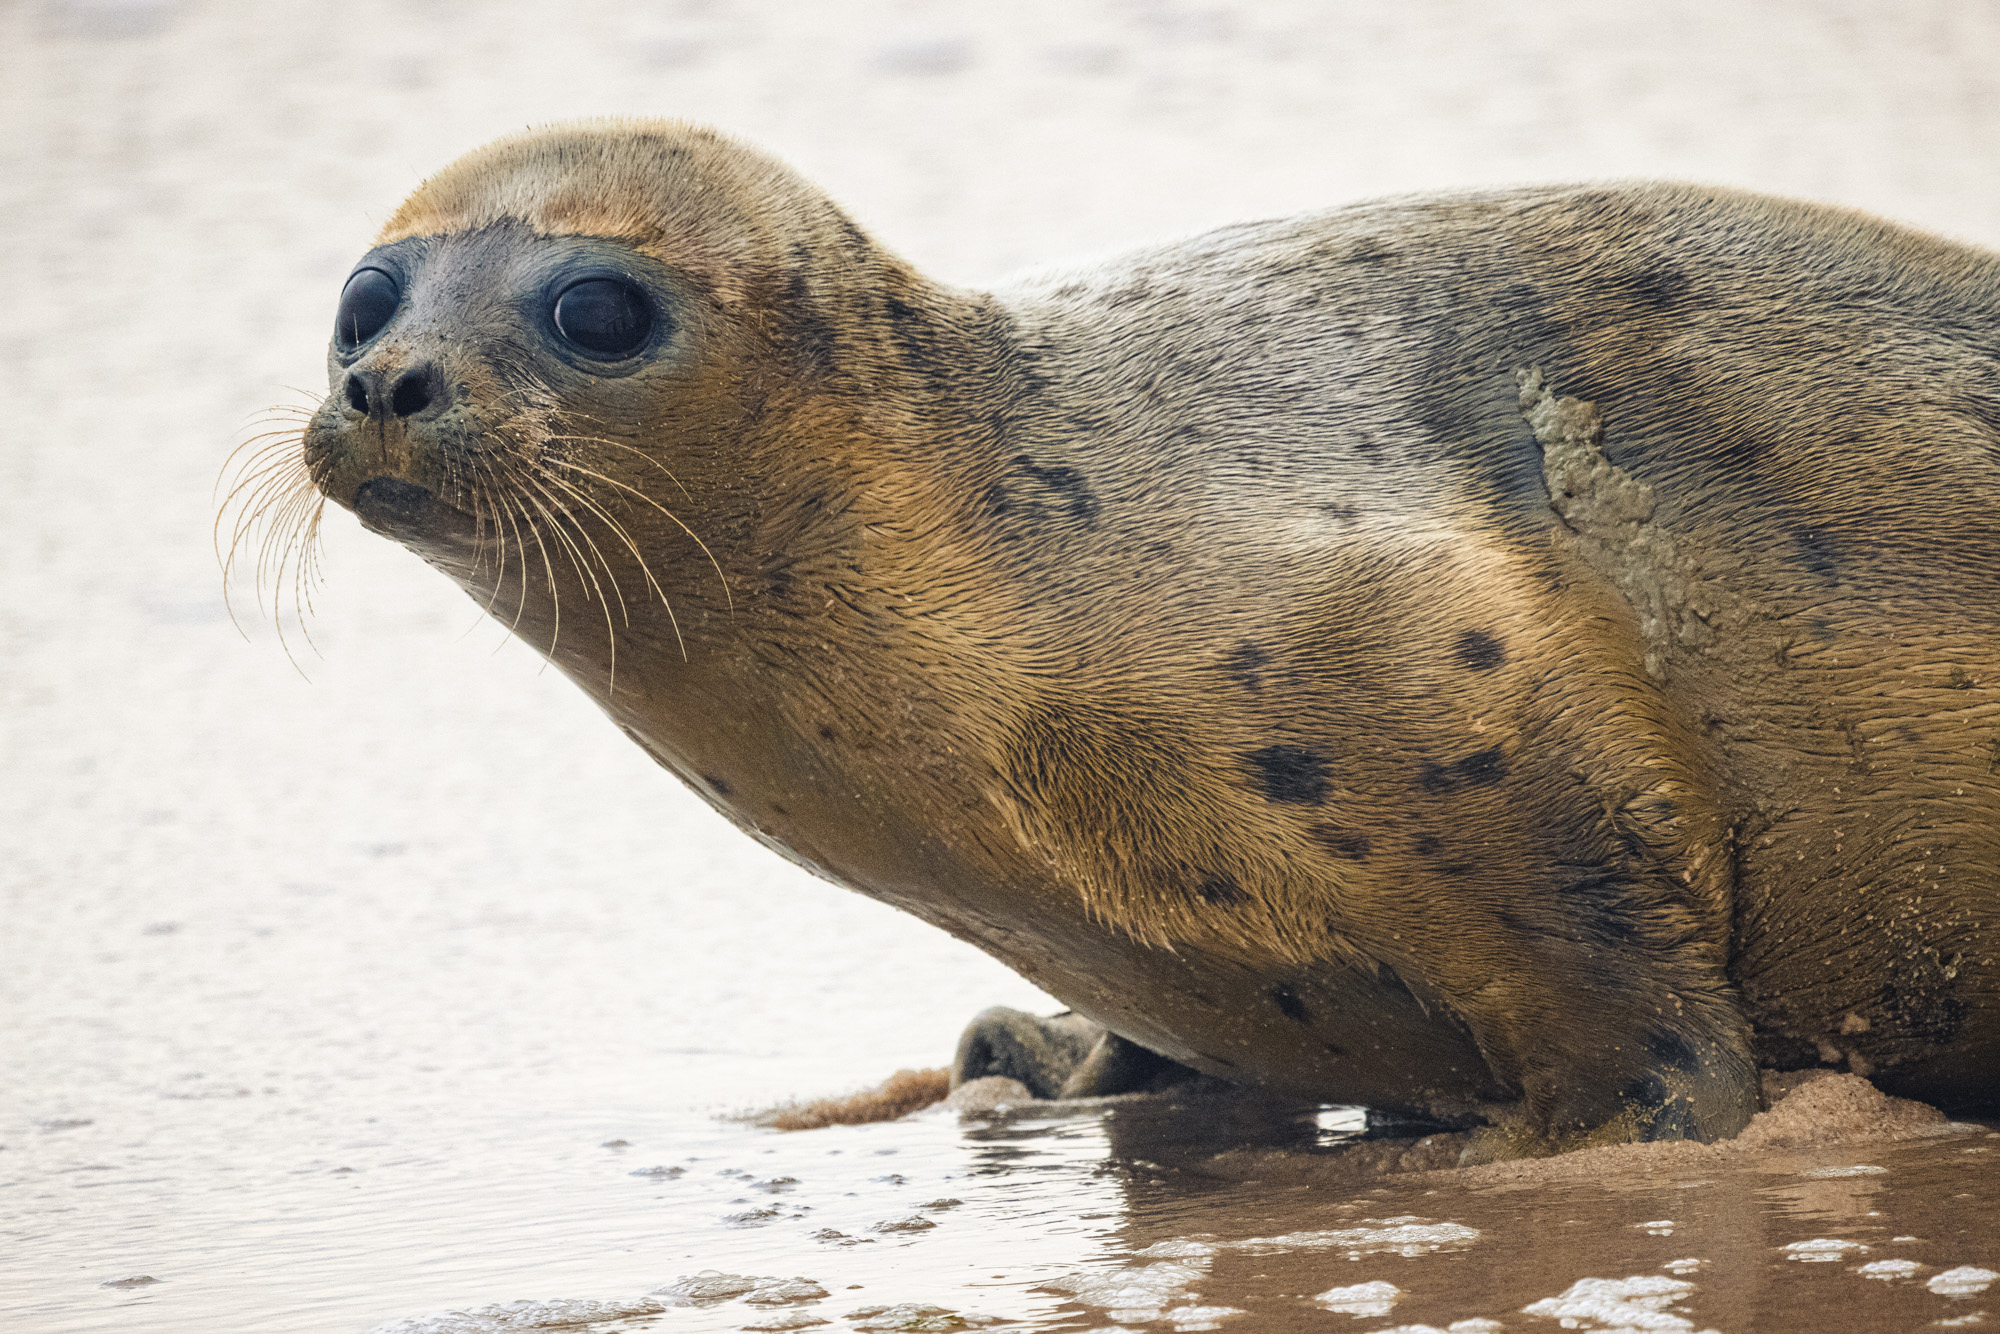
336, 1006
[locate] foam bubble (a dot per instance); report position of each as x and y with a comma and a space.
1372, 1298
1963, 1281
1389, 1236
508, 1317
784, 1292
1132, 1294
1886, 1269
1191, 1318
1822, 1249
784, 1320
1636, 1303
709, 1287
1858, 1170
916, 1318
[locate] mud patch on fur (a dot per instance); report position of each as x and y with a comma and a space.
1610, 513
900, 1094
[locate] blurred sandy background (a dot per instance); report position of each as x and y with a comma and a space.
244, 914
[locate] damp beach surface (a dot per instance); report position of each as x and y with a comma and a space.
413, 998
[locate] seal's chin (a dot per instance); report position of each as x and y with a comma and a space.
407, 512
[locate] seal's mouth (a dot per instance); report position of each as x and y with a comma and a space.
397, 508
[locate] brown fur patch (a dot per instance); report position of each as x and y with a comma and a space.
900, 1094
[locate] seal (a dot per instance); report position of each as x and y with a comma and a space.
1522, 658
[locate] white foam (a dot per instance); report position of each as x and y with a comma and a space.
1822, 1249
1638, 1303
1889, 1268
1178, 1249
508, 1317
1191, 1318
709, 1287
1686, 1266
784, 1292
1389, 1236
1858, 1170
784, 1320
1372, 1298
1133, 1294
916, 1316
1963, 1281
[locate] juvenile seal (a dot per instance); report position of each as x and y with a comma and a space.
1522, 657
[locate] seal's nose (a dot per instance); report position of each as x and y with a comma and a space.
372, 393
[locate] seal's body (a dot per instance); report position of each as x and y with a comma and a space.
1524, 655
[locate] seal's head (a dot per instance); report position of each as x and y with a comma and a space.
572, 355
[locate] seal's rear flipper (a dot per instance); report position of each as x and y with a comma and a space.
1063, 1056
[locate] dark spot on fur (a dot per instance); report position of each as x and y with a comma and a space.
1958, 680
1246, 664
776, 809
1481, 769
1340, 513
1334, 1050
857, 239
812, 336
1648, 1090
1671, 1051
1369, 250
1487, 767
826, 731
1933, 1014
913, 334
1480, 651
721, 788
1819, 551
1220, 890
1348, 843
1288, 1003
1368, 446
1067, 486
1661, 287
1457, 870
1291, 774
1426, 845
1779, 1051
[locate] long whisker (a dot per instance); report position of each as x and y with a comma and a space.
584, 573
619, 530
572, 466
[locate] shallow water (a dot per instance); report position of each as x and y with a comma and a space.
1143, 1213
320, 1003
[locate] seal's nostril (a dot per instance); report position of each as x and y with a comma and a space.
413, 393
357, 394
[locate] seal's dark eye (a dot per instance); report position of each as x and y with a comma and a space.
604, 318
366, 304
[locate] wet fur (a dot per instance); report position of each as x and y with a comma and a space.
1526, 655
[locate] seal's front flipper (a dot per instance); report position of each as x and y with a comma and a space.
1688, 1089
1063, 1056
